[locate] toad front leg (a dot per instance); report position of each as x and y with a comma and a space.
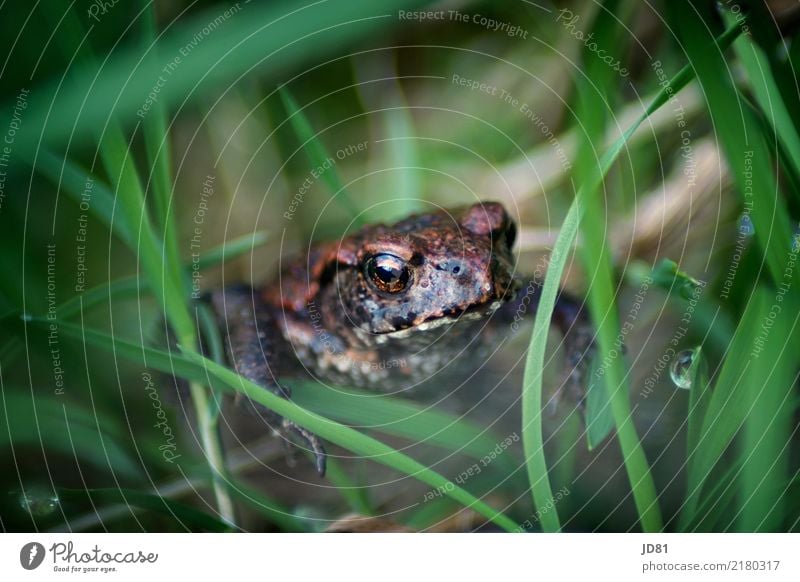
573, 323
251, 337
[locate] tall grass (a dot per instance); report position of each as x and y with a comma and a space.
738, 423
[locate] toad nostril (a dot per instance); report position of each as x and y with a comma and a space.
454, 267
458, 267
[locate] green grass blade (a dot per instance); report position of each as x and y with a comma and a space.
699, 398
674, 86
715, 505
196, 368
532, 439
161, 265
76, 181
266, 35
71, 431
725, 410
767, 94
317, 155
274, 511
129, 287
232, 249
764, 446
402, 156
593, 106
352, 440
156, 141
440, 510
122, 288
740, 136
185, 514
212, 346
599, 419
165, 282
356, 496
130, 197
399, 417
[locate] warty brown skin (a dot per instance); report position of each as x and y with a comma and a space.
388, 308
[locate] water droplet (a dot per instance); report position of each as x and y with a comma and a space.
746, 227
796, 239
38, 501
26, 317
681, 369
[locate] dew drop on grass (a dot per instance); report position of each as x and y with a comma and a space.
681, 369
746, 227
38, 501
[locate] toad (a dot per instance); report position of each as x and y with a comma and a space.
388, 308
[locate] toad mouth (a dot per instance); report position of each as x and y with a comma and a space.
471, 313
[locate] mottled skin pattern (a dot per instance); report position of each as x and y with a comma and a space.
388, 308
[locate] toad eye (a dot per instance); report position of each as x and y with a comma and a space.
387, 273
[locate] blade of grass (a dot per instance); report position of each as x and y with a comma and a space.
190, 482
76, 181
164, 280
726, 399
436, 512
398, 417
318, 156
126, 287
740, 136
279, 515
196, 368
208, 330
699, 397
532, 439
158, 256
21, 415
270, 35
713, 505
118, 161
597, 261
673, 87
156, 141
356, 497
232, 249
402, 154
729, 404
710, 319
770, 414
745, 147
566, 452
764, 446
599, 419
767, 94
151, 501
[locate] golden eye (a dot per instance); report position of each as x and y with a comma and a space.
387, 273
